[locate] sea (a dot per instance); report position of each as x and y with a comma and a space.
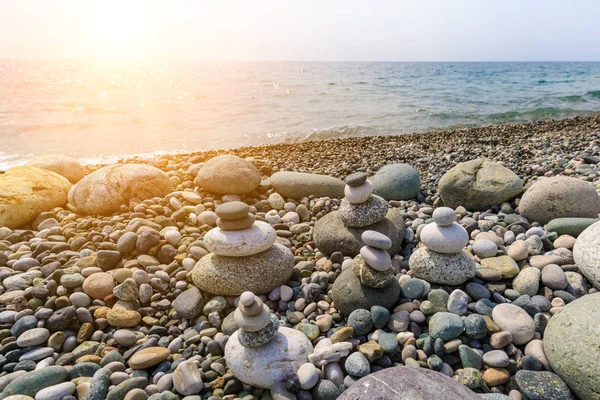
100, 112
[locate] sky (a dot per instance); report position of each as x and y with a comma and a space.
307, 30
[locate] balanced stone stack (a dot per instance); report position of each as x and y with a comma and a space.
243, 252
361, 207
257, 325
261, 353
442, 259
370, 282
359, 211
373, 266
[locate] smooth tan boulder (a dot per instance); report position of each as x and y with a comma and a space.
559, 197
26, 191
65, 166
105, 190
228, 174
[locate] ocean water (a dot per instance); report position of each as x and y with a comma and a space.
94, 112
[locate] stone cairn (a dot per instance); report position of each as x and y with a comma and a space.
441, 259
244, 255
257, 325
261, 353
444, 235
373, 266
361, 207
238, 234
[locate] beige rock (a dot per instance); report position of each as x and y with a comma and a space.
65, 166
25, 192
98, 285
228, 174
148, 357
105, 190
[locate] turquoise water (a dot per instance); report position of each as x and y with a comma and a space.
91, 111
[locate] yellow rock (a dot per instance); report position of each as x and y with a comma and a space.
62, 165
25, 192
104, 191
503, 264
122, 318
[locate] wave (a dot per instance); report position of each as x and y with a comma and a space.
572, 98
536, 114
594, 94
530, 115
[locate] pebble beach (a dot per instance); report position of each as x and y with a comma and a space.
452, 264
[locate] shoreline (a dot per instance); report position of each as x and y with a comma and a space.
486, 134
417, 149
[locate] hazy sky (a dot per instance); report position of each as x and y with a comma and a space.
306, 30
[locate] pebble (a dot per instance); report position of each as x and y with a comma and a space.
377, 259
307, 376
359, 194
33, 337
444, 216
554, 277
485, 248
496, 358
376, 239
148, 357
516, 321
357, 365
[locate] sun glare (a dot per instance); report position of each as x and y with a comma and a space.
119, 33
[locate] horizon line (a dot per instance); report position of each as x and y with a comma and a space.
174, 59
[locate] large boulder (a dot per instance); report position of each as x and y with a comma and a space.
349, 294
105, 190
25, 192
572, 345
231, 276
274, 362
300, 184
331, 235
228, 174
557, 197
396, 182
587, 253
65, 166
479, 184
406, 383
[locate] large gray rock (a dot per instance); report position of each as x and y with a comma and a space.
104, 191
331, 235
445, 269
274, 362
228, 174
559, 197
300, 184
396, 182
25, 192
231, 276
572, 345
479, 184
349, 294
405, 383
62, 165
587, 253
